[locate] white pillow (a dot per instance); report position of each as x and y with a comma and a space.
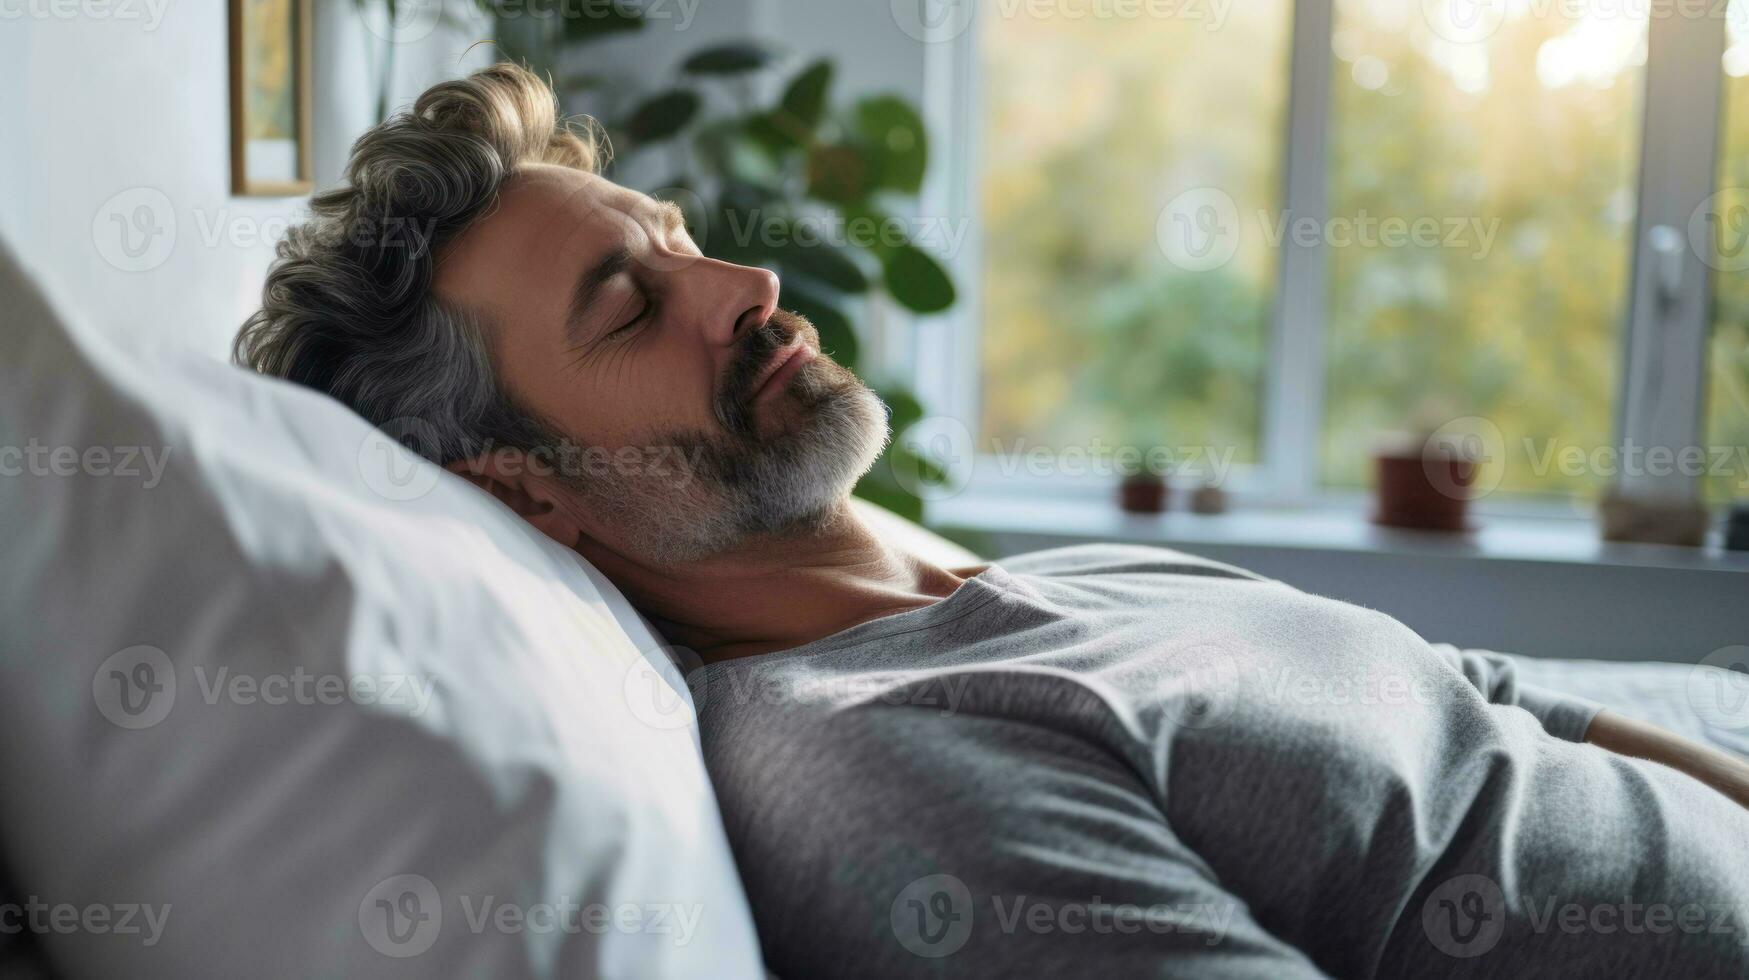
289, 701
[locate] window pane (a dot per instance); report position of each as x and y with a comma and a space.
1094, 126
1728, 215
1514, 140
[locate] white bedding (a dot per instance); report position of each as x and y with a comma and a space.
1707, 705
321, 707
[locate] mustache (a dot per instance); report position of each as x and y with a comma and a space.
735, 394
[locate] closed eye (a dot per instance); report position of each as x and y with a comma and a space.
627, 327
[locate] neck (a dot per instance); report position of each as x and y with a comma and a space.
776, 593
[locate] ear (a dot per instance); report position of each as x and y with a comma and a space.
526, 488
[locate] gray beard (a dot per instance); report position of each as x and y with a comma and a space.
718, 491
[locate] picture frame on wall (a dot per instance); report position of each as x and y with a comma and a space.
270, 98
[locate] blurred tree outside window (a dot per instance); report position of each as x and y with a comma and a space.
1482, 206
1727, 419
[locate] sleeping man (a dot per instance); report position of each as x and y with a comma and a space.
1104, 760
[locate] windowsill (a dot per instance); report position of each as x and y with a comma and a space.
1042, 519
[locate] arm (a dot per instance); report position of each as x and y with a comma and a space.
1496, 677
1579, 719
1626, 736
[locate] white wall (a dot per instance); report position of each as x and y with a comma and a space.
103, 113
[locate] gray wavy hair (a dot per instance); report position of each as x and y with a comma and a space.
348, 307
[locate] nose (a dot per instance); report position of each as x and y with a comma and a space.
738, 298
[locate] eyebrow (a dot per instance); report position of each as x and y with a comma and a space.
671, 216
615, 262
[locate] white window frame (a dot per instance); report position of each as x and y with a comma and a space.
1660, 391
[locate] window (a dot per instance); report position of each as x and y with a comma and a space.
1291, 232
1092, 126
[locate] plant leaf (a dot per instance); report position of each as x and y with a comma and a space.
896, 138
916, 281
804, 101
728, 59
661, 116
592, 21
838, 173
818, 260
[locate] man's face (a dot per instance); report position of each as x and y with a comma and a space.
713, 415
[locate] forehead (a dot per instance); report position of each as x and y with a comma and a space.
547, 221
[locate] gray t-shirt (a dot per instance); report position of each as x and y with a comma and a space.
1126, 761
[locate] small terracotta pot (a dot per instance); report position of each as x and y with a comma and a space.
1428, 491
1142, 493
